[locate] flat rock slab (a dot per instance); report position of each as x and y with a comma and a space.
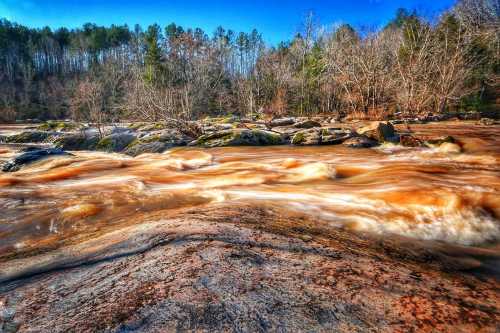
243, 269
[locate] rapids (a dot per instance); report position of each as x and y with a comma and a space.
420, 193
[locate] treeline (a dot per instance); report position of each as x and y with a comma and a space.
411, 66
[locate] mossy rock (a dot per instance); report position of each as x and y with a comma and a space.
156, 142
307, 137
58, 126
76, 142
28, 137
115, 142
239, 137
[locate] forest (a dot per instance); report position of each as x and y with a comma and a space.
414, 65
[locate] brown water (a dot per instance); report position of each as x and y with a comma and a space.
429, 194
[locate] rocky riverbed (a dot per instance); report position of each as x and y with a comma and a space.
292, 225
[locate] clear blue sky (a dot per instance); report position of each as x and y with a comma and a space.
276, 19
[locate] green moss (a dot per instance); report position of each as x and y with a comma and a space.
61, 126
136, 126
298, 138
105, 144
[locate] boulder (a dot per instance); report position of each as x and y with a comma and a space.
325, 136
58, 126
29, 137
157, 142
334, 136
307, 124
115, 142
360, 142
408, 140
378, 130
76, 141
238, 137
307, 137
30, 157
282, 122
486, 122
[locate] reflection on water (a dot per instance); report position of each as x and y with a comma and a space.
421, 193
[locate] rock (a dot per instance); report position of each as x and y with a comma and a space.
360, 142
282, 122
307, 137
143, 148
325, 136
238, 137
486, 122
30, 157
307, 124
77, 141
378, 130
115, 142
333, 136
29, 137
210, 128
58, 126
408, 140
474, 115
157, 142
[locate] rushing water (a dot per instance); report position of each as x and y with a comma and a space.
430, 194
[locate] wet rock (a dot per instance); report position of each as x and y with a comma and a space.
307, 124
325, 136
30, 157
282, 122
29, 137
333, 136
360, 142
157, 142
115, 142
470, 116
486, 122
77, 141
378, 130
238, 137
307, 137
408, 140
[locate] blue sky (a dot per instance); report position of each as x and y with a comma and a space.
276, 19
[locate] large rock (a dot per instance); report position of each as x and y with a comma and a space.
378, 130
115, 142
334, 136
408, 140
29, 137
238, 137
76, 141
282, 122
33, 155
58, 126
307, 137
307, 124
325, 136
360, 142
157, 142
